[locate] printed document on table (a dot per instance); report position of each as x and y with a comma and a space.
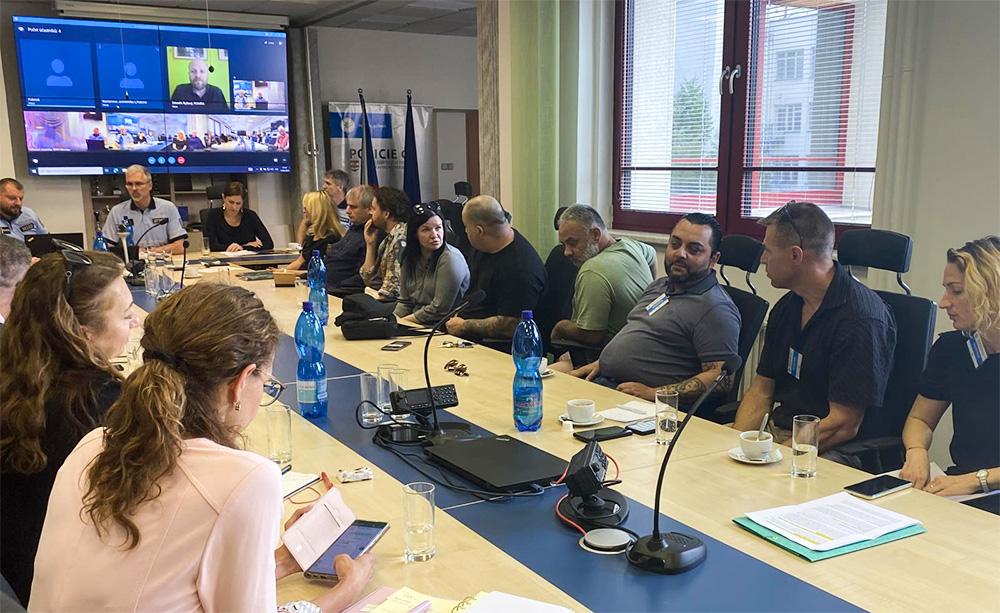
831, 522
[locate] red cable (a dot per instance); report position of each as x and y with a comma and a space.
617, 470
566, 519
560, 480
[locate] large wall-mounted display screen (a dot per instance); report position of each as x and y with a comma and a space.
98, 96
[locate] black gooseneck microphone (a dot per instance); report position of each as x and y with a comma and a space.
670, 553
156, 223
438, 432
184, 262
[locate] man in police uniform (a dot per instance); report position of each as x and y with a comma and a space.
156, 222
17, 220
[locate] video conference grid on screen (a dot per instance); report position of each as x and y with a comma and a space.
101, 95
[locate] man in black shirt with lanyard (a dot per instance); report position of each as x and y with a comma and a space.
829, 342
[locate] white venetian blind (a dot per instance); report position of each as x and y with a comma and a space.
813, 89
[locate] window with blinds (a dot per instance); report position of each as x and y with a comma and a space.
670, 118
814, 82
735, 107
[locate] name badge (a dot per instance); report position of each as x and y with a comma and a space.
159, 220
661, 301
28, 227
5, 230
977, 350
794, 363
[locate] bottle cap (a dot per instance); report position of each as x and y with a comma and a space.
307, 306
526, 314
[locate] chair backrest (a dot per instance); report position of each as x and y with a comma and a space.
452, 213
915, 318
214, 193
753, 310
881, 249
463, 188
556, 301
743, 252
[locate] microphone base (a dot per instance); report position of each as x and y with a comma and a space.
451, 431
399, 434
612, 511
669, 553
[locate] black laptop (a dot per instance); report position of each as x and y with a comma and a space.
498, 463
41, 244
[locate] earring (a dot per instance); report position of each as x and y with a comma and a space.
237, 405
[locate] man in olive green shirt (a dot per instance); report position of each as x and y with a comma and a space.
613, 274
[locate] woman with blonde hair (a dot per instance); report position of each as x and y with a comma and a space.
70, 316
323, 227
160, 510
963, 371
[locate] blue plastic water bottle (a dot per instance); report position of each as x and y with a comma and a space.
317, 287
130, 226
527, 351
99, 243
310, 380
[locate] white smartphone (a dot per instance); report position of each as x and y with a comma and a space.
878, 487
355, 542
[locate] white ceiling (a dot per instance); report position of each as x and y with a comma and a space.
449, 17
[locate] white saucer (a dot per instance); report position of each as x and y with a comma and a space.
548, 373
598, 418
737, 454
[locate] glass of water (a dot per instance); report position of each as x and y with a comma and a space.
279, 433
666, 415
370, 415
418, 506
391, 378
805, 445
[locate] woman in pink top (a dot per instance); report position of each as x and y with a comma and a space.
159, 510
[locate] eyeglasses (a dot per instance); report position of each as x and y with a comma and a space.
272, 387
73, 260
788, 215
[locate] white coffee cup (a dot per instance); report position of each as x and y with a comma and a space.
755, 449
581, 409
543, 366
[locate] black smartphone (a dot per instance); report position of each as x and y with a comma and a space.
396, 345
642, 428
355, 542
602, 434
878, 487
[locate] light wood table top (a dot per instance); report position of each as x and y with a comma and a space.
955, 566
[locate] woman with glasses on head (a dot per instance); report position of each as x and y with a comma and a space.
433, 275
160, 510
234, 227
963, 371
323, 227
69, 317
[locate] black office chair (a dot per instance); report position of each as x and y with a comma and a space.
879, 447
463, 191
744, 253
456, 236
556, 302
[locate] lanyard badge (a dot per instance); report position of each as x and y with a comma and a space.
661, 301
794, 363
977, 350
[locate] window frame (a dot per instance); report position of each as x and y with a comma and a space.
731, 172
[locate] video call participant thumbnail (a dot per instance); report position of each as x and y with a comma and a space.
198, 89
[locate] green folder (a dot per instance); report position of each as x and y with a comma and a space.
814, 556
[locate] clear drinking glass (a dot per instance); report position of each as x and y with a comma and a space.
805, 445
418, 507
667, 402
301, 290
391, 378
279, 433
369, 392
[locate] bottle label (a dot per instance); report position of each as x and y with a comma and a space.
311, 392
525, 404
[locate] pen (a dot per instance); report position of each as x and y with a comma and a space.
286, 468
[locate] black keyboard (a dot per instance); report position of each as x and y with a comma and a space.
417, 401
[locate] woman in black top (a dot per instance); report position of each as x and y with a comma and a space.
234, 227
963, 370
69, 317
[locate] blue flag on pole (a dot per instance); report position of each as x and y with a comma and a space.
370, 174
411, 173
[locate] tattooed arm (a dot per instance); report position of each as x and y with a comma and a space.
688, 390
498, 326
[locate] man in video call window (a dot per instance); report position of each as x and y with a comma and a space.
199, 89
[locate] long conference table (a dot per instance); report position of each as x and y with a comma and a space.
519, 546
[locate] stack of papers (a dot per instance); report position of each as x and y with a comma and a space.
407, 600
829, 526
634, 410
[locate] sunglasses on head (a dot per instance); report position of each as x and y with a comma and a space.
426, 208
73, 260
787, 214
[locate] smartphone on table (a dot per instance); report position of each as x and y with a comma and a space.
882, 485
360, 537
602, 434
396, 345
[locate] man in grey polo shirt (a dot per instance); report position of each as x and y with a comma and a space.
683, 328
17, 220
156, 218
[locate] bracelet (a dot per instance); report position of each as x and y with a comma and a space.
917, 447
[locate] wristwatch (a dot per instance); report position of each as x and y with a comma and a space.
984, 484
